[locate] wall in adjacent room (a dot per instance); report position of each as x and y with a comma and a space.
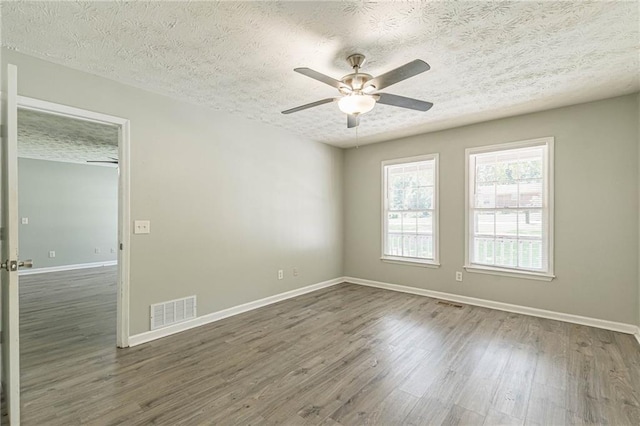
71, 209
596, 210
230, 201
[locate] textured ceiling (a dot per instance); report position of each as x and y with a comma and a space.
52, 137
488, 59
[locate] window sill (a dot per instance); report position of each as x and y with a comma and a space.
539, 276
411, 262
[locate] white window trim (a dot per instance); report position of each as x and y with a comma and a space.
413, 261
549, 172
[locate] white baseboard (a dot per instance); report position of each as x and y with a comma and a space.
148, 336
559, 316
67, 267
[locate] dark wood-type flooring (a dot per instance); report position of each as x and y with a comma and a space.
344, 355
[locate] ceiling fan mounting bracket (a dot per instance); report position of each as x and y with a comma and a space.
356, 61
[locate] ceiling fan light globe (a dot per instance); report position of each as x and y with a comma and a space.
356, 104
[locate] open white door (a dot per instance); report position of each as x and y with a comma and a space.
9, 234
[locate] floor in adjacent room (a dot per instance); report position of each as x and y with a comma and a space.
340, 356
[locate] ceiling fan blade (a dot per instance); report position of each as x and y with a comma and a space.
402, 102
408, 70
352, 121
320, 77
311, 105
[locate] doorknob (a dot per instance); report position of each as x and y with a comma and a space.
25, 263
13, 265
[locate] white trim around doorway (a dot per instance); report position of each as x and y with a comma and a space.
124, 225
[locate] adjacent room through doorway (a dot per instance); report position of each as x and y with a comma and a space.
68, 208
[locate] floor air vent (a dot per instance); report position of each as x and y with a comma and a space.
173, 311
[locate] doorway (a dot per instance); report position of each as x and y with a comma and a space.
93, 152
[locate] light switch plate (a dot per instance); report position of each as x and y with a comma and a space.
25, 220
141, 227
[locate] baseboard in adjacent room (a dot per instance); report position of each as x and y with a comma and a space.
67, 267
148, 336
525, 310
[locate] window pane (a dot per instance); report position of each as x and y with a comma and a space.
424, 245
484, 223
394, 244
507, 223
410, 222
485, 195
530, 254
530, 223
409, 248
424, 198
486, 168
410, 176
507, 166
396, 199
506, 252
530, 193
395, 178
426, 173
394, 222
425, 223
483, 250
507, 195
530, 164
411, 197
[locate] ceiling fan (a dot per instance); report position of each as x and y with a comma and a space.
112, 161
360, 91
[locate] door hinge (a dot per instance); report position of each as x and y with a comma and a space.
121, 246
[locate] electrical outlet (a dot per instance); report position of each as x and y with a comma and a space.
141, 227
280, 274
458, 276
52, 254
295, 272
97, 250
113, 250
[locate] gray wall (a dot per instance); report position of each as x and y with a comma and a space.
72, 209
596, 210
230, 201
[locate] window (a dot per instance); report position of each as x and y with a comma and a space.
410, 210
510, 209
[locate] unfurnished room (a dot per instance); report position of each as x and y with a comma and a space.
320, 213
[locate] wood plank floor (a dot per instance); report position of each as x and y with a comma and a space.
340, 356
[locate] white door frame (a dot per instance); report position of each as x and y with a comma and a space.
124, 225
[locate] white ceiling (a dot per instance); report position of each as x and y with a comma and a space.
488, 59
52, 137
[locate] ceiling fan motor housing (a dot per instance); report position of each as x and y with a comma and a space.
356, 81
